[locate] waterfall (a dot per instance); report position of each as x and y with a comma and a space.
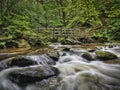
41, 59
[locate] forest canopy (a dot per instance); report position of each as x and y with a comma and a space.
20, 18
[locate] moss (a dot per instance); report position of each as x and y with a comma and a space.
104, 55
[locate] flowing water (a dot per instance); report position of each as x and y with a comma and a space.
76, 73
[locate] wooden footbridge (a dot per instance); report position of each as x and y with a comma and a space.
66, 32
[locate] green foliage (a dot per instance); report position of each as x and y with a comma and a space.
18, 26
39, 39
44, 37
82, 11
60, 39
2, 44
20, 18
56, 13
112, 31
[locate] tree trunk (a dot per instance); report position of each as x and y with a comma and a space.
63, 12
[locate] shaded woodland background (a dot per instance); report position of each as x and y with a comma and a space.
19, 19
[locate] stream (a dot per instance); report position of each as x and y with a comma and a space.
64, 67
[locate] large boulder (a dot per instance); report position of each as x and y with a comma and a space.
22, 61
29, 75
53, 54
104, 55
70, 42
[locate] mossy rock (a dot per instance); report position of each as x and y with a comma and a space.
22, 43
104, 55
87, 56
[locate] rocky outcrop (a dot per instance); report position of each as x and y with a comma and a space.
104, 55
70, 42
30, 75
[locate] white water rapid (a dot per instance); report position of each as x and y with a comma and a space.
75, 73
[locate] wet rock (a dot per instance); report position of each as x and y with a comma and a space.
30, 75
64, 54
22, 62
104, 55
110, 46
87, 56
53, 54
91, 50
66, 49
70, 42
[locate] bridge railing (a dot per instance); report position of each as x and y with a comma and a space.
66, 32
